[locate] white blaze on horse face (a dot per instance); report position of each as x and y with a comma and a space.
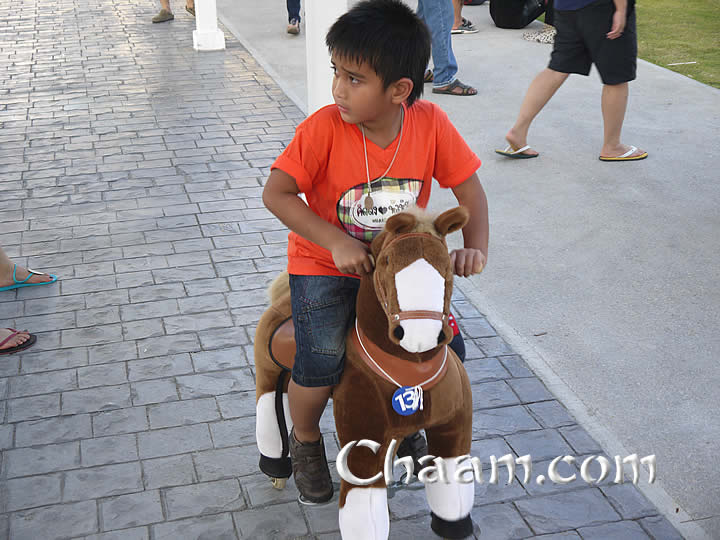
420, 287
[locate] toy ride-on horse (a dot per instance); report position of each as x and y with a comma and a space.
400, 376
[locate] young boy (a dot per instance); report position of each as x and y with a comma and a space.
374, 144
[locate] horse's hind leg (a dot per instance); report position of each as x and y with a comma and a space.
273, 423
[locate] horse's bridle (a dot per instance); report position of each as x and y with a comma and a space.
382, 295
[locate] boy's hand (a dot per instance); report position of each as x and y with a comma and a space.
351, 256
467, 261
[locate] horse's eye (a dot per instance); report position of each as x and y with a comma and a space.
399, 332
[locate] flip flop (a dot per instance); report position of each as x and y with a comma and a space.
29, 343
162, 16
23, 283
627, 156
190, 10
467, 90
428, 76
516, 154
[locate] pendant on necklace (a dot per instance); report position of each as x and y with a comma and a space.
369, 202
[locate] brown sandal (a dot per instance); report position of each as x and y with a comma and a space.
465, 89
428, 76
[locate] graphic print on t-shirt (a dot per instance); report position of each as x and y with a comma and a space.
390, 196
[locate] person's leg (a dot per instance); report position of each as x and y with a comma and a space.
6, 273
165, 4
293, 9
539, 93
614, 105
165, 13
457, 13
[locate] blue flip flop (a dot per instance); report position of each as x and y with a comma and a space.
23, 283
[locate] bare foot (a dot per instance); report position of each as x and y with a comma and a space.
619, 150
16, 340
20, 274
516, 141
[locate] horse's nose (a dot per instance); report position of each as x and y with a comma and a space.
419, 335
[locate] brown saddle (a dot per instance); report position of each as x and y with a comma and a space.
282, 345
282, 352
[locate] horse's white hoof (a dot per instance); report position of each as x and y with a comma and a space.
278, 483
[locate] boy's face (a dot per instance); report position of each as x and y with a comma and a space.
358, 91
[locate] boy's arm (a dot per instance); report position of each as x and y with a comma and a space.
619, 19
281, 198
473, 257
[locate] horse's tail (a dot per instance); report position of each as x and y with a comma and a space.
279, 287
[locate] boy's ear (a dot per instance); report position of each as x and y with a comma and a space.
401, 90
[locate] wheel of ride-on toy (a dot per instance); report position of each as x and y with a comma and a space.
278, 483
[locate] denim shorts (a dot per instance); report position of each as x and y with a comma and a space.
323, 307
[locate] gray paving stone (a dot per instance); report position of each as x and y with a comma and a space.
55, 522
161, 346
500, 521
43, 383
261, 492
547, 486
93, 335
484, 370
628, 501
493, 346
627, 530
226, 462
102, 375
102, 481
542, 444
204, 498
168, 472
176, 440
222, 359
516, 366
580, 440
215, 383
154, 391
96, 399
502, 421
149, 310
136, 533
285, 522
660, 528
223, 338
128, 420
103, 315
131, 510
32, 491
564, 511
182, 413
108, 450
492, 394
233, 432
217, 527
53, 430
237, 405
143, 329
33, 408
41, 459
185, 273
199, 304
106, 298
551, 414
197, 322
6, 436
113, 352
530, 389
567, 535
154, 368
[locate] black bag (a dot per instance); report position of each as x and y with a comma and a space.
515, 13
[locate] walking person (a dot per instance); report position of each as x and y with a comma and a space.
439, 16
166, 14
600, 32
293, 9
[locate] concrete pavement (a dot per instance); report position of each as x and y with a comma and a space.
604, 275
132, 166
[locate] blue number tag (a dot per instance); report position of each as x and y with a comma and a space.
405, 401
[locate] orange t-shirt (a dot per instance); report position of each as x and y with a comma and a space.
327, 161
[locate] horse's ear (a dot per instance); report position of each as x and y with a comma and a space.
401, 223
451, 220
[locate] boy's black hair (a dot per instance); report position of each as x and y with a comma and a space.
386, 35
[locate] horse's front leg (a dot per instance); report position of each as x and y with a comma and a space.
363, 493
451, 496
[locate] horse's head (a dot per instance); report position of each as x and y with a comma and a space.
413, 277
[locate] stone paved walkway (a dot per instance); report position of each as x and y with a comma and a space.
132, 166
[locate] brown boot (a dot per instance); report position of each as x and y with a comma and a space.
310, 470
162, 16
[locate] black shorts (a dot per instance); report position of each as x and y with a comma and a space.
581, 40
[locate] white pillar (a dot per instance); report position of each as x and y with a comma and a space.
207, 36
319, 17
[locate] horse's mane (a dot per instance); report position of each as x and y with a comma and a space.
425, 220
